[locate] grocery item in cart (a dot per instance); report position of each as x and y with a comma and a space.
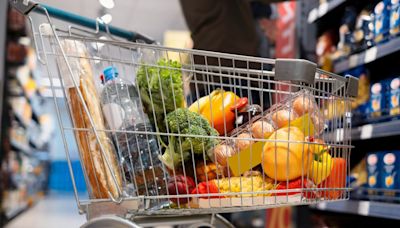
284, 157
320, 168
335, 181
219, 109
209, 171
180, 185
161, 90
244, 151
249, 186
195, 139
98, 156
138, 153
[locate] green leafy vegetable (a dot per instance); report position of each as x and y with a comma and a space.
183, 121
161, 88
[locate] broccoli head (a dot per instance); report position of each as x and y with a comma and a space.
182, 121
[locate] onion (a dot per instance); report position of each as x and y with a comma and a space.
262, 129
222, 153
242, 141
303, 104
282, 117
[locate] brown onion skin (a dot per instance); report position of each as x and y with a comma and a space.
261, 129
282, 117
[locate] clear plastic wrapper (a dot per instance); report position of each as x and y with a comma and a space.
299, 116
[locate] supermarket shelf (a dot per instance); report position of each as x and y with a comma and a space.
365, 208
377, 130
369, 131
21, 147
322, 10
367, 56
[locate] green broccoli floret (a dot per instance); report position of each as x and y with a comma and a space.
183, 121
161, 88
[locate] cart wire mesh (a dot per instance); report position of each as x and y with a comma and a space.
173, 131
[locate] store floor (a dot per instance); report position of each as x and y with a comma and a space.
56, 210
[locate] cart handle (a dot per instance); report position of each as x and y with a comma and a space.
27, 6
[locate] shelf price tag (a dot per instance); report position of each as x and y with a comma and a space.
366, 131
321, 206
353, 61
339, 135
370, 54
363, 208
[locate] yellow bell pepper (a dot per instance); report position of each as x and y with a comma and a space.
321, 168
216, 108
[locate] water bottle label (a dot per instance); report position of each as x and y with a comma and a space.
114, 115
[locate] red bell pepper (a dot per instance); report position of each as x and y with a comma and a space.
297, 183
206, 188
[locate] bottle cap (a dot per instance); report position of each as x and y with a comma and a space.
110, 73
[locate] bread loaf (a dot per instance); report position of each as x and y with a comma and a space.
98, 173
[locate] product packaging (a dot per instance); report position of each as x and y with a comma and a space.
98, 157
363, 86
346, 29
395, 18
363, 32
374, 164
298, 114
381, 21
394, 96
389, 173
377, 101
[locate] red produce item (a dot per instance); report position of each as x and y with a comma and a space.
241, 103
283, 185
337, 179
184, 186
207, 188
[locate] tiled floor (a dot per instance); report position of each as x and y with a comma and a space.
56, 210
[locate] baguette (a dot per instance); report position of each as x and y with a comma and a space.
99, 176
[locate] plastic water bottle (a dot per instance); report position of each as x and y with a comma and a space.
138, 153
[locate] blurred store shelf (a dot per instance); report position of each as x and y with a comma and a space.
21, 147
365, 208
322, 10
367, 56
369, 131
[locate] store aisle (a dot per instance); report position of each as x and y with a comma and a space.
56, 210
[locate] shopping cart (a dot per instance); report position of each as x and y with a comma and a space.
189, 134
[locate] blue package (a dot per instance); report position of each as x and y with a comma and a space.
381, 21
394, 96
377, 99
395, 17
389, 177
374, 163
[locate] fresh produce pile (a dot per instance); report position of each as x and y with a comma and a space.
209, 155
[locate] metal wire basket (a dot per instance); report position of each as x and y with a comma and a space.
176, 131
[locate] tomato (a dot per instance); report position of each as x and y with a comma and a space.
206, 188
